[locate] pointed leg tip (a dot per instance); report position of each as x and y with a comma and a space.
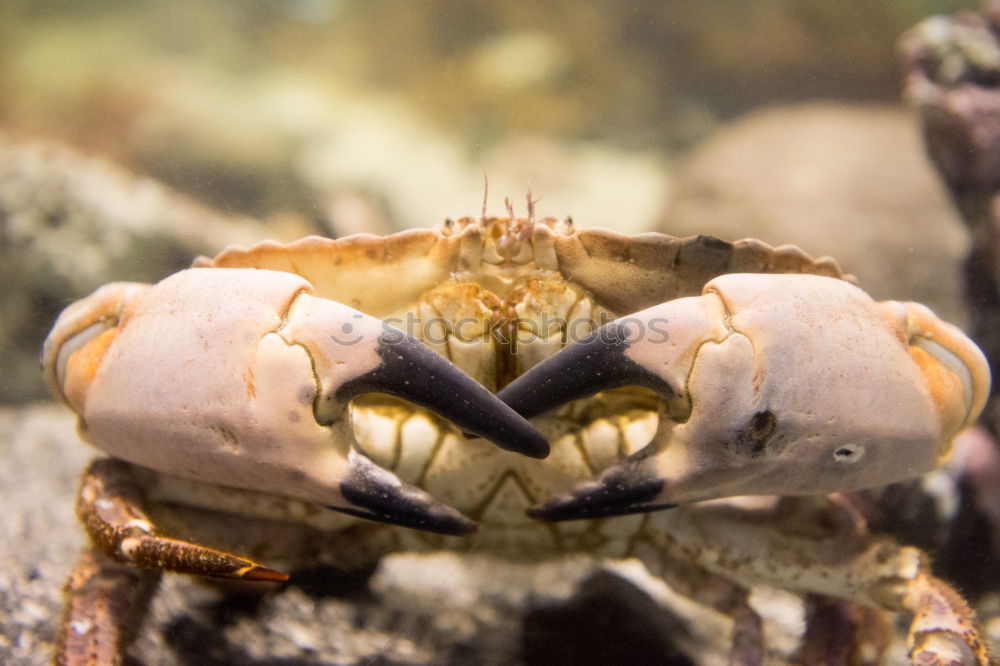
263, 574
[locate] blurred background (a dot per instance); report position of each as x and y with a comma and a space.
269, 108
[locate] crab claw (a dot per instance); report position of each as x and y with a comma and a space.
410, 370
771, 384
243, 377
354, 354
377, 494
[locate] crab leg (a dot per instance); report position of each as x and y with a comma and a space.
109, 590
942, 630
244, 378
797, 545
106, 602
836, 631
722, 594
770, 384
110, 507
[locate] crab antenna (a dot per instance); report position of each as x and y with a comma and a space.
531, 205
486, 192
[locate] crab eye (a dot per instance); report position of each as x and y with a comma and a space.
850, 453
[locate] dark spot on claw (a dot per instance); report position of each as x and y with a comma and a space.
755, 436
307, 393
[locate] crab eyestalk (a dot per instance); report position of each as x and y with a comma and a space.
242, 377
796, 384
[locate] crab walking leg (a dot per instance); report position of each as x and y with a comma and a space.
108, 592
109, 505
106, 602
722, 594
942, 630
243, 377
792, 546
831, 635
769, 384
748, 637
838, 632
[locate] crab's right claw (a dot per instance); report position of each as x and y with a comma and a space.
243, 377
771, 384
632, 351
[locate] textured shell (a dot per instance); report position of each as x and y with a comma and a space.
382, 275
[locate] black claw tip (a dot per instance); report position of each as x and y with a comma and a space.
628, 487
412, 371
595, 363
378, 494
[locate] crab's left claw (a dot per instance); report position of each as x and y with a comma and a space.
771, 384
387, 360
244, 378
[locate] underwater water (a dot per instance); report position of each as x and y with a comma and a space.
136, 137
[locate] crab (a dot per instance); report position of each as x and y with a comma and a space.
516, 386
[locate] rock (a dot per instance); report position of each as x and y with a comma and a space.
952, 70
39, 535
847, 181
